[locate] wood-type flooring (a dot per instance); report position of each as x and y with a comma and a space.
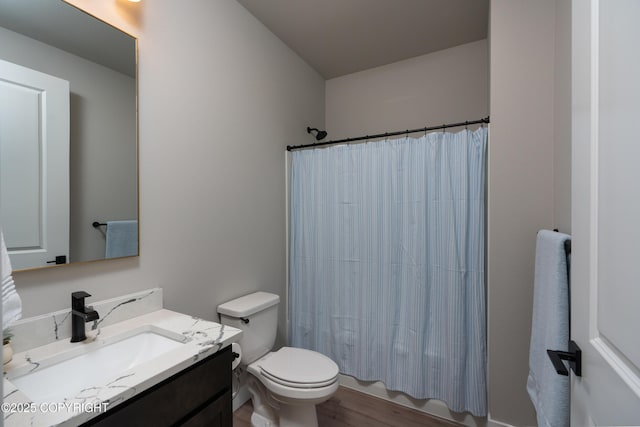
351, 408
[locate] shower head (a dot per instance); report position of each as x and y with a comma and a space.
320, 134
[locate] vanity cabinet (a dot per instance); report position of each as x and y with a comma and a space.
197, 396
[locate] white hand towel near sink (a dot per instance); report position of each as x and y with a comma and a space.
11, 303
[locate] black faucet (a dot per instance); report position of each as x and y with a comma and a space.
80, 315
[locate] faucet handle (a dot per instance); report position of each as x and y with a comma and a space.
80, 295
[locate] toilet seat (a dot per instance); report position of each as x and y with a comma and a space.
297, 367
298, 374
281, 381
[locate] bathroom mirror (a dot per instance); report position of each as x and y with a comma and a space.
98, 180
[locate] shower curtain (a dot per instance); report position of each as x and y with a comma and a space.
386, 263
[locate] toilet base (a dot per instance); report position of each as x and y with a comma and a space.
263, 405
272, 411
290, 416
298, 416
258, 420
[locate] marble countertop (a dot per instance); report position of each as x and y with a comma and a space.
201, 339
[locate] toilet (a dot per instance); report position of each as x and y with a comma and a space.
285, 385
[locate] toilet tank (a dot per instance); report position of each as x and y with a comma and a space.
257, 316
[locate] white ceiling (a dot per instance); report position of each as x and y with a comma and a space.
338, 37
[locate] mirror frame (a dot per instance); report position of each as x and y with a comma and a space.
135, 40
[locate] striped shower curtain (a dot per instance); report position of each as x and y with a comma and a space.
386, 259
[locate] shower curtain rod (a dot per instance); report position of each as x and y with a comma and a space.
386, 134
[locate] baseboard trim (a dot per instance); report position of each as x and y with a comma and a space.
432, 407
494, 423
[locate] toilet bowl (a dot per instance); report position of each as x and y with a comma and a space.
285, 385
295, 375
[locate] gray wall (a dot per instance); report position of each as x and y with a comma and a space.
220, 98
562, 118
447, 86
103, 172
529, 181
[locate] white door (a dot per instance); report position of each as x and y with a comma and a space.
606, 211
34, 165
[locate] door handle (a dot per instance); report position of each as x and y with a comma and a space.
60, 259
573, 356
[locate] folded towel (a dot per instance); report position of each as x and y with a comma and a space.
122, 239
11, 303
549, 392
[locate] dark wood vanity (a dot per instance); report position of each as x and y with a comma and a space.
197, 396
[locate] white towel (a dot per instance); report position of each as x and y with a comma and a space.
11, 303
550, 392
122, 239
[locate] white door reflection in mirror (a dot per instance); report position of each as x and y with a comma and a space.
34, 165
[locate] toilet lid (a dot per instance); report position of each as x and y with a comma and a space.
299, 367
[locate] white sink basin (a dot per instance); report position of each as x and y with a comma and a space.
65, 375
